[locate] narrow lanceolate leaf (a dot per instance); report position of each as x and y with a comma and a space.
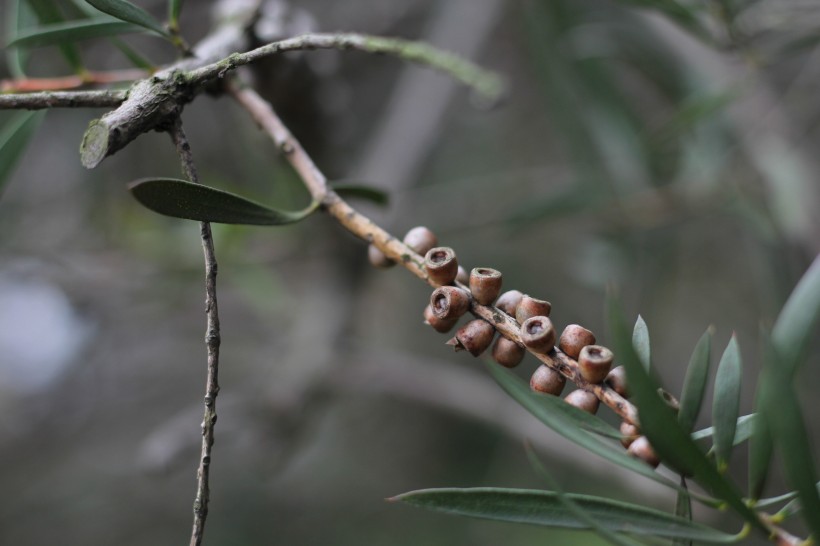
569, 428
182, 199
128, 12
683, 509
174, 9
47, 12
72, 31
640, 341
796, 322
546, 508
743, 429
760, 453
356, 191
672, 443
694, 384
726, 402
14, 136
18, 17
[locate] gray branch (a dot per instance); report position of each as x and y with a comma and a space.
61, 99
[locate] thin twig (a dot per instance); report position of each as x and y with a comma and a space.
212, 341
61, 99
63, 83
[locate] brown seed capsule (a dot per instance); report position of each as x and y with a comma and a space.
574, 338
531, 307
377, 257
441, 265
640, 449
449, 302
629, 433
508, 301
583, 400
475, 336
462, 276
547, 380
421, 239
508, 353
538, 334
439, 324
616, 379
594, 363
485, 284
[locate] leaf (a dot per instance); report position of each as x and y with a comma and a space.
174, 9
569, 428
640, 341
72, 31
19, 16
14, 136
671, 442
760, 454
683, 15
683, 509
545, 508
795, 324
182, 199
47, 13
743, 429
126, 11
694, 384
367, 193
726, 402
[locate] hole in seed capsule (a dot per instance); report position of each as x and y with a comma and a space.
535, 327
594, 353
484, 272
440, 302
438, 257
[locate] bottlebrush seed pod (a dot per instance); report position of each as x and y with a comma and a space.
538, 334
640, 449
629, 433
531, 307
547, 380
583, 400
508, 301
508, 353
421, 239
441, 265
594, 363
475, 337
377, 257
616, 379
485, 284
439, 325
573, 339
462, 276
449, 302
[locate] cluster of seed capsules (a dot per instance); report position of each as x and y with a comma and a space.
451, 300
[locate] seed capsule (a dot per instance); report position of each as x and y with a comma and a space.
462, 276
485, 284
449, 302
508, 301
629, 433
475, 337
421, 239
616, 379
377, 257
439, 325
538, 334
547, 380
583, 400
531, 307
507, 352
594, 363
640, 449
573, 339
441, 265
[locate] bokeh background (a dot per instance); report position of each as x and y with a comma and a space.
666, 148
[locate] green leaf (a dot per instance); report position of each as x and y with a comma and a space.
694, 384
760, 453
671, 442
640, 341
18, 17
174, 9
683, 509
72, 31
683, 15
743, 429
14, 136
569, 428
545, 508
726, 402
182, 199
796, 322
48, 13
367, 193
126, 11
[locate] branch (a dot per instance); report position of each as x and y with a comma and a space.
212, 342
393, 248
62, 99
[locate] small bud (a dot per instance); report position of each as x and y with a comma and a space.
377, 257
616, 379
640, 449
573, 339
583, 400
475, 337
449, 302
508, 301
547, 380
441, 265
531, 307
421, 239
538, 334
462, 276
507, 352
629, 433
485, 284
594, 363
439, 325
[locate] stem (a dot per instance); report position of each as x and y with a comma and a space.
62, 99
212, 342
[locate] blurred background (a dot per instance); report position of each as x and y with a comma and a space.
667, 148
